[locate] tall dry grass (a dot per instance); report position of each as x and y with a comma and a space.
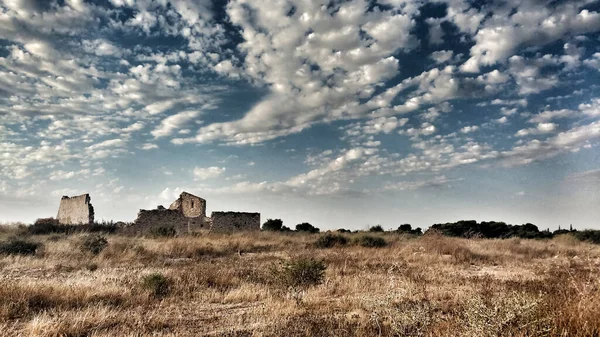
224, 285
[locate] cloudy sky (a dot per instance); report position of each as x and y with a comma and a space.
341, 113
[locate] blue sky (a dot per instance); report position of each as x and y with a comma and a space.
339, 113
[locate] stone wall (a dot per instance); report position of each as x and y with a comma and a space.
235, 221
147, 220
75, 210
190, 205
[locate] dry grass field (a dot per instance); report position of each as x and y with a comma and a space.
240, 285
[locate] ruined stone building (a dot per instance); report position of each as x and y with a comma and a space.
187, 214
189, 205
75, 210
235, 221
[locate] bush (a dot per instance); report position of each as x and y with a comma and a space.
376, 229
93, 244
156, 284
407, 229
51, 226
19, 247
306, 227
371, 241
272, 225
299, 273
589, 235
331, 240
163, 231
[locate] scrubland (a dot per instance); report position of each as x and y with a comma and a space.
245, 284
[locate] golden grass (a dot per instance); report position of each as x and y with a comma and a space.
220, 285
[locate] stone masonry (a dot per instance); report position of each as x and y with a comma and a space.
189, 205
186, 214
75, 210
235, 221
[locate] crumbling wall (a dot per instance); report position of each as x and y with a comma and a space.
75, 210
147, 220
235, 221
190, 205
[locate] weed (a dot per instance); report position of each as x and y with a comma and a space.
371, 241
19, 247
156, 284
298, 273
93, 244
330, 241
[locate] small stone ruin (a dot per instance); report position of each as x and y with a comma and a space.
235, 221
187, 214
75, 210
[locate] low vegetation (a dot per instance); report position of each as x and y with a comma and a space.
331, 240
19, 247
280, 283
93, 244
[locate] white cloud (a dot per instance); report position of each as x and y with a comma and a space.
438, 182
549, 115
529, 24
101, 47
174, 122
149, 146
442, 56
593, 62
469, 129
205, 173
541, 128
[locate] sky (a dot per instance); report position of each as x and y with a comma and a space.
344, 114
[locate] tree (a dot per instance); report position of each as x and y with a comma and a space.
306, 227
272, 225
405, 228
377, 228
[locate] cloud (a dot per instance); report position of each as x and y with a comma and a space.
469, 129
593, 62
528, 24
314, 76
442, 56
567, 141
174, 122
541, 128
437, 182
205, 173
101, 47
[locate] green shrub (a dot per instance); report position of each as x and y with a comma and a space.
163, 231
306, 227
298, 273
377, 229
371, 241
589, 235
272, 225
19, 247
93, 244
331, 240
52, 226
156, 284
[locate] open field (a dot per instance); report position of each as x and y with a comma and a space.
230, 285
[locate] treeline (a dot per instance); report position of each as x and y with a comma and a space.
501, 230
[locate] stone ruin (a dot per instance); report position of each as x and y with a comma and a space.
75, 210
235, 221
187, 214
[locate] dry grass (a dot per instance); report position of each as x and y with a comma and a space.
221, 285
